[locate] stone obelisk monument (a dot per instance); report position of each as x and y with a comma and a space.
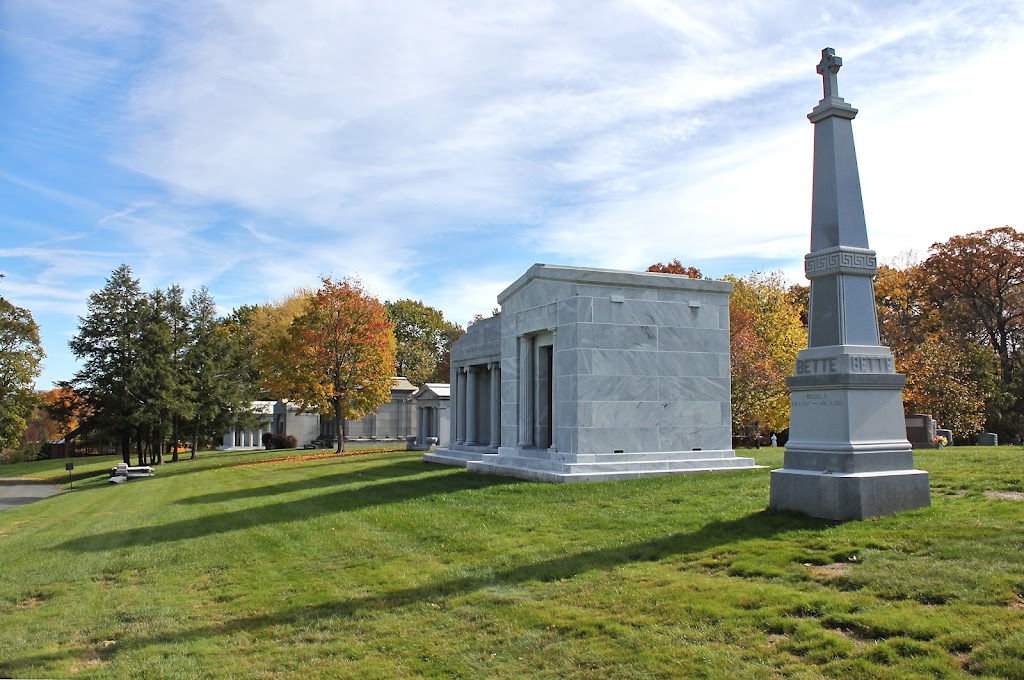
847, 456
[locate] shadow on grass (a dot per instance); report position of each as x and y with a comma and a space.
364, 496
378, 472
751, 527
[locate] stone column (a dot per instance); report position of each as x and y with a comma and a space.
460, 408
471, 384
421, 436
526, 381
229, 440
495, 369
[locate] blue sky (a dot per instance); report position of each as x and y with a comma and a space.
438, 149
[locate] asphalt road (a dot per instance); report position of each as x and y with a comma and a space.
14, 494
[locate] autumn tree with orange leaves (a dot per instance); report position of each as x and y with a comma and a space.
342, 355
676, 267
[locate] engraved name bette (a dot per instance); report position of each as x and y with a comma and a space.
858, 364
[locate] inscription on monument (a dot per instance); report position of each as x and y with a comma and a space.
815, 366
871, 364
819, 400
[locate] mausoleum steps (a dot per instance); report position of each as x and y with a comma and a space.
594, 472
557, 466
611, 466
452, 457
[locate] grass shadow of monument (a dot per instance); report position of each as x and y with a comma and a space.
363, 496
362, 475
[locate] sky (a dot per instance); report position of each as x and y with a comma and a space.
436, 149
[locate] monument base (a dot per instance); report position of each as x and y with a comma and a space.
846, 496
847, 456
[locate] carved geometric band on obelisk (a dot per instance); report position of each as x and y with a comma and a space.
840, 260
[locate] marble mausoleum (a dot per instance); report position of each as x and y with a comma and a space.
593, 374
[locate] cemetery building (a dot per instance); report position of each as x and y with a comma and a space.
433, 414
251, 438
393, 420
592, 374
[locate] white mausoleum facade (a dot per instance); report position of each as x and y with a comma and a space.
591, 374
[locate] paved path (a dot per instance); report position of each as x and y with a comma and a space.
14, 493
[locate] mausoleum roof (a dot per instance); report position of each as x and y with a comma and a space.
614, 277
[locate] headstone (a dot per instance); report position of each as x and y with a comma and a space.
920, 430
988, 439
847, 456
948, 434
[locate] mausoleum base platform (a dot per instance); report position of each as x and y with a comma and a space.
544, 465
456, 454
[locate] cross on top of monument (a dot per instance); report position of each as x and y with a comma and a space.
828, 67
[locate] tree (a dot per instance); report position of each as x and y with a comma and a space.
423, 338
21, 354
342, 355
64, 408
219, 370
765, 335
977, 281
946, 382
949, 375
676, 267
110, 342
266, 331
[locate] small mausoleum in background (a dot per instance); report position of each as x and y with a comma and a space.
592, 374
433, 415
395, 420
251, 438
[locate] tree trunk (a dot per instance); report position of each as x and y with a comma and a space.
339, 425
158, 446
126, 449
174, 440
195, 442
138, 449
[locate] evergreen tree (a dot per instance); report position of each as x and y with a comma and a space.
219, 372
110, 342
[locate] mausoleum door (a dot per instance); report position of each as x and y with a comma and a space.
544, 392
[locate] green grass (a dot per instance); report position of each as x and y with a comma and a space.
382, 566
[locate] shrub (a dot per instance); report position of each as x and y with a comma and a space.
281, 441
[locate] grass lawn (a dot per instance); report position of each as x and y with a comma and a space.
378, 565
